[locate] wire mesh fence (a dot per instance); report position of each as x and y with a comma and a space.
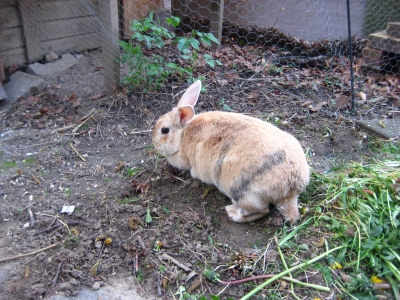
269, 36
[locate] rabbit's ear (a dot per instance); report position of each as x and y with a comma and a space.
186, 114
191, 95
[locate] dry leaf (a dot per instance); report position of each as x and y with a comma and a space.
57, 86
380, 123
222, 82
44, 110
362, 96
96, 96
59, 109
33, 99
342, 101
306, 103
318, 106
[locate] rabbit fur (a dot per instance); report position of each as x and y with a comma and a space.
251, 161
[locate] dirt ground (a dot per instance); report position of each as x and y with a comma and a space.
98, 157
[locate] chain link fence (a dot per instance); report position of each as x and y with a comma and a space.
269, 36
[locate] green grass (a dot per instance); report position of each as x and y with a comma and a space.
360, 204
5, 165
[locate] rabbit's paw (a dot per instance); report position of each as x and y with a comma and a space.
235, 213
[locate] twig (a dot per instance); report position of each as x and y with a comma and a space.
372, 101
141, 243
174, 261
159, 292
31, 253
76, 151
63, 128
54, 281
56, 226
30, 211
85, 118
141, 131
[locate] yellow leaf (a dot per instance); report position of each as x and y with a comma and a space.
336, 266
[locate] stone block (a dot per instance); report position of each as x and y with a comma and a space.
386, 128
393, 29
51, 69
50, 57
372, 56
382, 41
23, 85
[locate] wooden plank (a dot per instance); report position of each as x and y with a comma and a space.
71, 44
31, 29
216, 18
8, 2
110, 47
11, 38
56, 10
13, 56
68, 27
9, 17
136, 10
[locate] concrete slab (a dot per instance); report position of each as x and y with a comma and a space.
50, 69
3, 94
391, 127
382, 41
115, 289
22, 85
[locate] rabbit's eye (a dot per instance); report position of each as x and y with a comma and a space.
164, 130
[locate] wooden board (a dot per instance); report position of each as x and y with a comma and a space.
136, 10
12, 45
60, 26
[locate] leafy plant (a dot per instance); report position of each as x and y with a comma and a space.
150, 70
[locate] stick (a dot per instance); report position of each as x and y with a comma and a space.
54, 281
174, 261
85, 118
56, 226
76, 151
30, 211
31, 253
141, 243
159, 292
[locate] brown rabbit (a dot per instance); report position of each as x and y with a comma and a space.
251, 161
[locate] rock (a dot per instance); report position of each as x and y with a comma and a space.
76, 273
51, 57
96, 286
214, 257
23, 85
65, 286
74, 282
98, 244
51, 69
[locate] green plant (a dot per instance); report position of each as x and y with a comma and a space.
130, 172
151, 70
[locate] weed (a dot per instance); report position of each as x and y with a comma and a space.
29, 160
7, 165
129, 200
151, 72
130, 172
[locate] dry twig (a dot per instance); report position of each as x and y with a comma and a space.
31, 253
30, 211
76, 151
54, 281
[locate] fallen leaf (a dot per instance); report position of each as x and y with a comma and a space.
380, 123
59, 109
44, 110
222, 82
96, 96
306, 103
253, 95
57, 86
32, 99
318, 106
342, 101
362, 96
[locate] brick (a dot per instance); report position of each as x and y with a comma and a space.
393, 29
372, 56
382, 41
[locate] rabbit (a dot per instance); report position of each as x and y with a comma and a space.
249, 160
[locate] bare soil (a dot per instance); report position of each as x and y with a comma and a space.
98, 157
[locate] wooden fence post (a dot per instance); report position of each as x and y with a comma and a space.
110, 47
216, 18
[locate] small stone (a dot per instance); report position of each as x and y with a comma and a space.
214, 257
96, 286
205, 248
74, 282
76, 273
65, 286
51, 57
98, 244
